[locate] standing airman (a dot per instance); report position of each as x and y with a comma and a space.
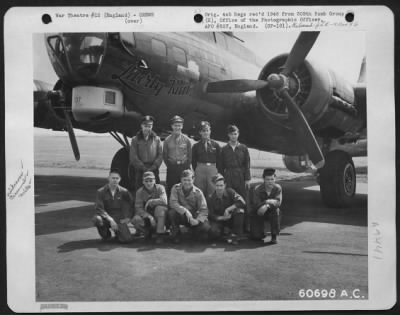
146, 152
177, 153
206, 156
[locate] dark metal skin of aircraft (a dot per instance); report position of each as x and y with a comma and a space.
306, 112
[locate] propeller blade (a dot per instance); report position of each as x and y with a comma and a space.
71, 135
304, 131
235, 86
299, 51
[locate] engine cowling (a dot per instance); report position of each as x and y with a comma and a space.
322, 95
91, 103
44, 113
297, 163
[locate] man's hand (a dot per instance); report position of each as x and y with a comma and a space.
152, 221
188, 215
125, 221
193, 221
114, 226
261, 211
148, 204
223, 218
228, 212
247, 184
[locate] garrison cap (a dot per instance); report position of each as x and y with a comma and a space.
204, 125
232, 128
115, 170
148, 175
176, 119
217, 178
147, 119
187, 173
269, 171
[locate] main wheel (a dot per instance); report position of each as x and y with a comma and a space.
338, 179
121, 161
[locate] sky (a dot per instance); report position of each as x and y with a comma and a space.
341, 51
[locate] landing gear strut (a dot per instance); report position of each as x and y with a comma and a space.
337, 179
121, 161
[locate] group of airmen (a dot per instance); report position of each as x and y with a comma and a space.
213, 202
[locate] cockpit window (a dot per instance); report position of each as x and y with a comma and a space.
128, 41
179, 56
158, 47
56, 44
80, 53
91, 50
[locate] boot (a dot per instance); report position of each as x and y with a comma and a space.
159, 239
147, 229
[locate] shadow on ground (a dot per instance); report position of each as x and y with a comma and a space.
299, 204
141, 245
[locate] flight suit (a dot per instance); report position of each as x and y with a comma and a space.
273, 215
145, 155
206, 160
217, 206
235, 164
118, 207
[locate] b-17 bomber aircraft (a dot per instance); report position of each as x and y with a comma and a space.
291, 106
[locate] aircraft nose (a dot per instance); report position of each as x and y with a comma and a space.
77, 55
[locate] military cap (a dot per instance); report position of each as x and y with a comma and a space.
148, 175
187, 173
217, 178
147, 119
115, 170
269, 171
232, 128
176, 119
204, 125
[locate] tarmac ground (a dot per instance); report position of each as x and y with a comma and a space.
319, 248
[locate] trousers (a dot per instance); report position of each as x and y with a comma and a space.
257, 223
200, 231
174, 172
203, 178
104, 229
158, 215
235, 223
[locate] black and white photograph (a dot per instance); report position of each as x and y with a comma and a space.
287, 136
208, 166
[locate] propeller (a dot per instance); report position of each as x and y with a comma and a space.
303, 130
280, 83
72, 137
299, 51
57, 97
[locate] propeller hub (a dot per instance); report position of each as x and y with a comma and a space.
278, 82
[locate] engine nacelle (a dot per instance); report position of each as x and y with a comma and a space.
44, 114
90, 103
322, 95
297, 163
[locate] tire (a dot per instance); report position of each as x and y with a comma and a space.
121, 161
338, 179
